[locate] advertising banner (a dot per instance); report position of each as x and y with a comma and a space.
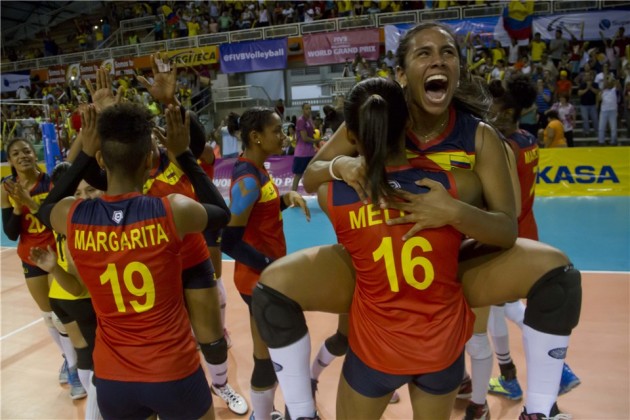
195, 56
240, 57
593, 21
577, 171
584, 171
52, 155
12, 81
337, 47
279, 167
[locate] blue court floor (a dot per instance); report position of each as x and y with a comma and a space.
593, 231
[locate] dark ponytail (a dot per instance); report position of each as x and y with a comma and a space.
376, 111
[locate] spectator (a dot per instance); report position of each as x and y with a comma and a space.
498, 72
548, 66
612, 53
304, 149
158, 30
604, 75
133, 38
557, 46
225, 22
280, 108
563, 85
263, 17
193, 26
576, 50
608, 111
50, 46
390, 60
347, 69
566, 114
384, 71
228, 133
213, 26
588, 93
82, 40
497, 51
553, 135
513, 51
543, 102
288, 14
22, 93
537, 46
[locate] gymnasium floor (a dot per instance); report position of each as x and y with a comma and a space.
594, 232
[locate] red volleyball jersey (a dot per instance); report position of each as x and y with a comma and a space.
33, 233
525, 148
127, 251
167, 179
264, 230
408, 314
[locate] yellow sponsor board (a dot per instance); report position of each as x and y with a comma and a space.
195, 56
584, 171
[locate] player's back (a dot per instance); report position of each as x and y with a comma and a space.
127, 251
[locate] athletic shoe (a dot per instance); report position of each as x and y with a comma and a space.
568, 381
228, 340
395, 398
76, 389
234, 401
276, 415
63, 372
465, 389
477, 411
554, 415
508, 388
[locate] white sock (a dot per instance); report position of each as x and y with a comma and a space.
84, 377
478, 347
321, 362
218, 373
68, 350
543, 370
497, 327
262, 403
91, 406
294, 376
222, 300
515, 312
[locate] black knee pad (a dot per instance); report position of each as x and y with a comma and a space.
215, 353
84, 358
337, 344
280, 320
554, 302
264, 375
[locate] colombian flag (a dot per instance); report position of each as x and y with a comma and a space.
517, 18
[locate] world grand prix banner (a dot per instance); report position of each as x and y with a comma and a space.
584, 171
337, 47
241, 57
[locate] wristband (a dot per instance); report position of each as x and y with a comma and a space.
330, 168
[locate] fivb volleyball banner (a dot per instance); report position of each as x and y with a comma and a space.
241, 57
584, 171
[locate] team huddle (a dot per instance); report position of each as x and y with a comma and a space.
432, 208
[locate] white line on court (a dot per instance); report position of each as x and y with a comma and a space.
27, 326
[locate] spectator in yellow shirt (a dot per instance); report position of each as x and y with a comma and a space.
553, 135
537, 46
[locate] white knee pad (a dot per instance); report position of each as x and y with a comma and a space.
48, 319
478, 347
515, 312
58, 324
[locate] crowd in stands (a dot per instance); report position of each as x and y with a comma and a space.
574, 78
176, 19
